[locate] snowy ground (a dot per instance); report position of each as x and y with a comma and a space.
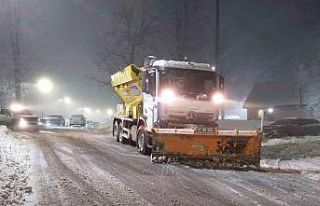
14, 169
86, 167
293, 153
82, 168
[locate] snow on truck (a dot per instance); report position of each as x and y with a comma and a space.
170, 109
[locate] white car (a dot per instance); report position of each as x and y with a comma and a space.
77, 120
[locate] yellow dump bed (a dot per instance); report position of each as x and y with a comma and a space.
128, 86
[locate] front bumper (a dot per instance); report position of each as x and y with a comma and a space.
224, 149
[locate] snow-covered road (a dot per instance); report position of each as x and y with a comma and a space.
78, 167
14, 169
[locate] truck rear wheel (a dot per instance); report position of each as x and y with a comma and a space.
142, 141
121, 138
116, 131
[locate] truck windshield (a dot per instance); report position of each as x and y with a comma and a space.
189, 83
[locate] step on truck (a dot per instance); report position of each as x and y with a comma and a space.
169, 110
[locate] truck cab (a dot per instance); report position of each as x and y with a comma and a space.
181, 94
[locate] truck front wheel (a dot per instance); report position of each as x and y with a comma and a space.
142, 141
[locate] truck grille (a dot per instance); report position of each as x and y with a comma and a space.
191, 118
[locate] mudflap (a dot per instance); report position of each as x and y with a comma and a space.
225, 149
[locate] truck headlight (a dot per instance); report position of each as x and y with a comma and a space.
167, 95
218, 98
23, 123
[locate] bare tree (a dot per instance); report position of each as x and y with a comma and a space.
128, 39
187, 20
11, 51
182, 26
15, 20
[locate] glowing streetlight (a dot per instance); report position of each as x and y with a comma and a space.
261, 114
45, 85
87, 110
109, 112
98, 111
270, 110
67, 100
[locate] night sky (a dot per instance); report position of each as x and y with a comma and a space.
260, 40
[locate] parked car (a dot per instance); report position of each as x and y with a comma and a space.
77, 120
292, 127
6, 118
53, 120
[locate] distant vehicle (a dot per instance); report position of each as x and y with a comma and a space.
53, 120
93, 125
292, 127
25, 120
77, 120
6, 118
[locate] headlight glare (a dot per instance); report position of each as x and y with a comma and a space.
167, 95
23, 123
218, 98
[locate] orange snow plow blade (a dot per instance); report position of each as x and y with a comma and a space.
225, 149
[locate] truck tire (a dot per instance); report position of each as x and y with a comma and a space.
116, 132
121, 138
142, 141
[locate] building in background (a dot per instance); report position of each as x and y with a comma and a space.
285, 99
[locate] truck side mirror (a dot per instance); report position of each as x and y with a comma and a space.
149, 84
145, 83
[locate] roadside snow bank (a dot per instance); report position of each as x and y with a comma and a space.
291, 148
289, 140
14, 169
309, 167
104, 128
293, 153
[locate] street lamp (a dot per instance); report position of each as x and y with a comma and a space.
67, 100
270, 110
262, 113
109, 112
44, 85
87, 110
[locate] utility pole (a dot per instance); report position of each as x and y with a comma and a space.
217, 46
15, 38
217, 33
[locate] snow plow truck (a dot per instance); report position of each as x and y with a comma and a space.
170, 109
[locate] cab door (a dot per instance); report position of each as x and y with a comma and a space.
149, 93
